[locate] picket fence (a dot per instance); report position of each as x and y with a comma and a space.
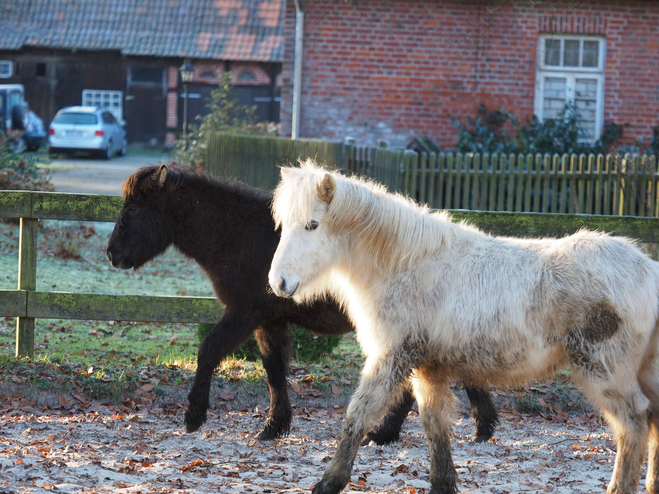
609, 185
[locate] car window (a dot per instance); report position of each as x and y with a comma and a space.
76, 118
109, 119
15, 97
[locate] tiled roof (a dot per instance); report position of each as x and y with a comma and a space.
250, 30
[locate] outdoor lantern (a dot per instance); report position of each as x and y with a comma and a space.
187, 72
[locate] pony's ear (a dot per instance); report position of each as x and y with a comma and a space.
160, 175
326, 188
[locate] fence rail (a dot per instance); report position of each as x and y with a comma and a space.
27, 304
608, 185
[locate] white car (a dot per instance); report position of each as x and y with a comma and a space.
86, 128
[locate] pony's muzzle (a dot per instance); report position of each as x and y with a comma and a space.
118, 261
282, 288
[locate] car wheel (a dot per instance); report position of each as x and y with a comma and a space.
16, 145
107, 152
34, 146
124, 147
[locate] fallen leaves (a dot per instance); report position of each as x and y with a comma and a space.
227, 395
78, 444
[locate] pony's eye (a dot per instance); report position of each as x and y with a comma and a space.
312, 225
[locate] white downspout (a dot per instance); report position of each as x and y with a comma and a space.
297, 69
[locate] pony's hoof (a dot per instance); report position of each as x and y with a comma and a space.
380, 438
482, 438
273, 431
193, 421
325, 487
190, 428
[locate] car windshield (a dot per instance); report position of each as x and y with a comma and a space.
76, 118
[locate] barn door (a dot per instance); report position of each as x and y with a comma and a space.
145, 107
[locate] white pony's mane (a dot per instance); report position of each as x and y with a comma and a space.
389, 227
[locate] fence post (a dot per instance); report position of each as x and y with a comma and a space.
27, 280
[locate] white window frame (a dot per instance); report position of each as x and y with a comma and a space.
571, 74
102, 98
6, 69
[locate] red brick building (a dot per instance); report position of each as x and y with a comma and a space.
389, 69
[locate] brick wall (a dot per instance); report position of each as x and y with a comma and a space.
390, 69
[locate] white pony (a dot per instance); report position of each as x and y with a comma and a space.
436, 300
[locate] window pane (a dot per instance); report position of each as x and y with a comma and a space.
76, 118
571, 55
585, 100
552, 52
585, 89
146, 74
590, 53
554, 97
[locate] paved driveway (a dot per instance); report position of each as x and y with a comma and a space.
96, 176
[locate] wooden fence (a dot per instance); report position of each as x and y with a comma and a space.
609, 185
26, 303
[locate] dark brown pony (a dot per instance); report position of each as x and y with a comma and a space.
228, 229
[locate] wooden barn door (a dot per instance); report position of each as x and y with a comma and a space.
145, 106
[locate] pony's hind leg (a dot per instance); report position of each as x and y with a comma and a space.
389, 430
274, 342
626, 410
223, 340
484, 411
436, 407
649, 382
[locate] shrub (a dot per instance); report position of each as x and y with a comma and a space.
497, 131
306, 345
20, 172
489, 132
226, 115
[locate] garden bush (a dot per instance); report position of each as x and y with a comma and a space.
20, 172
306, 345
498, 131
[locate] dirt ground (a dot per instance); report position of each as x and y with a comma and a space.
141, 447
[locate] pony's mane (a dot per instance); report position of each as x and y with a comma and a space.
390, 227
142, 182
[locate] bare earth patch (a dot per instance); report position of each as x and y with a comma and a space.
129, 448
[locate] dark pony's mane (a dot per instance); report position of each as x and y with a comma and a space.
143, 183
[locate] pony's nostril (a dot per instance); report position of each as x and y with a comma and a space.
282, 284
108, 254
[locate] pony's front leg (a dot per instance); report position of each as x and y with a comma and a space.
223, 340
379, 387
274, 342
436, 408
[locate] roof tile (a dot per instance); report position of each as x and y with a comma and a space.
248, 30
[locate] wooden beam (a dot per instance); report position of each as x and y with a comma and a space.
645, 229
66, 305
79, 207
13, 303
15, 204
27, 280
